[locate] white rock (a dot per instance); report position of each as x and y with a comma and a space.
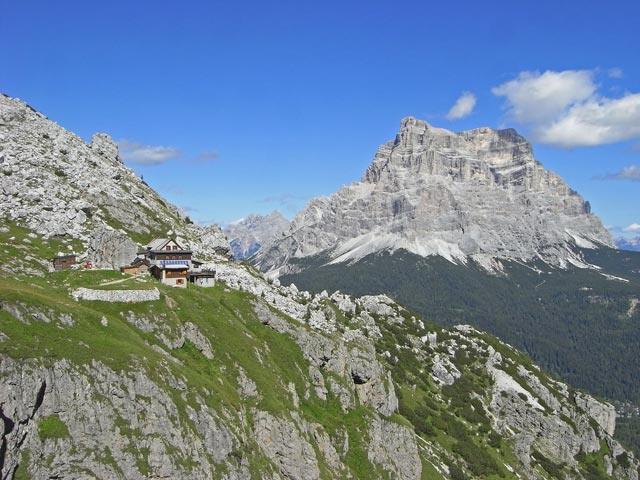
477, 194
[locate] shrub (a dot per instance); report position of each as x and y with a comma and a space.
52, 428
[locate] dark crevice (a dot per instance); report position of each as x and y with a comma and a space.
358, 379
39, 398
3, 450
8, 423
7, 429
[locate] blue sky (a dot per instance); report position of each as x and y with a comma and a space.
228, 109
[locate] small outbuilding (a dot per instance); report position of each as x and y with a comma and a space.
138, 267
64, 262
204, 278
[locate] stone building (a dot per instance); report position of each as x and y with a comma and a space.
168, 261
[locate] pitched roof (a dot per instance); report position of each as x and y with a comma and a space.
60, 257
161, 243
157, 243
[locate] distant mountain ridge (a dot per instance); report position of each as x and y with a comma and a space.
478, 194
632, 244
248, 234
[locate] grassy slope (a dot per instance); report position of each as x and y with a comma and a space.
459, 435
227, 320
224, 317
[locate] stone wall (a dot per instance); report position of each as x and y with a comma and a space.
126, 296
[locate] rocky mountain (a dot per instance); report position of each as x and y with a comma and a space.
469, 228
632, 244
56, 185
248, 234
477, 195
104, 375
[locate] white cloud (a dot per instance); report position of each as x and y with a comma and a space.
631, 172
141, 154
634, 227
534, 97
463, 106
615, 72
595, 122
564, 109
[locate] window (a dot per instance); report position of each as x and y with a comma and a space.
175, 247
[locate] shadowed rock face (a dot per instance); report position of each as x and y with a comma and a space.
478, 194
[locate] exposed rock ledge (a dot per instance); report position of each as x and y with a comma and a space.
127, 296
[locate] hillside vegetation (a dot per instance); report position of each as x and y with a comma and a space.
579, 324
218, 383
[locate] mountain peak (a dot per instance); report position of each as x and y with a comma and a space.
475, 194
414, 131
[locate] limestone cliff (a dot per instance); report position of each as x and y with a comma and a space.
478, 194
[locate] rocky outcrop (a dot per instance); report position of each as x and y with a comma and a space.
60, 413
283, 443
394, 448
103, 144
477, 194
55, 184
247, 235
355, 362
110, 248
206, 241
603, 413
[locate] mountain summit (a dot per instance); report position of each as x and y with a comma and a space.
476, 194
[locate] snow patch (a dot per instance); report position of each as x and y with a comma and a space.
357, 248
580, 240
613, 277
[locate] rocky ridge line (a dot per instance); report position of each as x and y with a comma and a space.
98, 406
